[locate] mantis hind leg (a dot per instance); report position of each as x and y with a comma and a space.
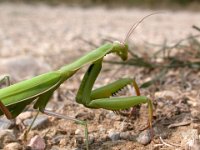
3, 108
40, 105
85, 94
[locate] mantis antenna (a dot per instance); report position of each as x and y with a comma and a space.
135, 25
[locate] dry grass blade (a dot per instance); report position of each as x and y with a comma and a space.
155, 79
135, 61
179, 55
195, 27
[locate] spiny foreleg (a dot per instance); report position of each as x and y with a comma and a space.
101, 97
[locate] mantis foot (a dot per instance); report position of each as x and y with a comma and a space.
133, 112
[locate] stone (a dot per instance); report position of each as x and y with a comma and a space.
39, 122
190, 138
161, 131
5, 123
113, 135
91, 139
6, 136
56, 139
101, 129
13, 146
54, 147
144, 137
37, 143
125, 135
23, 116
78, 132
167, 94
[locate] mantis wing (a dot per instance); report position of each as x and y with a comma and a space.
17, 96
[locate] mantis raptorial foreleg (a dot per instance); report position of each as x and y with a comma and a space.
100, 98
57, 115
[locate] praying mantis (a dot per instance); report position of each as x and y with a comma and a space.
39, 89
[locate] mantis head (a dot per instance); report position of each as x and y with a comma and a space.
121, 49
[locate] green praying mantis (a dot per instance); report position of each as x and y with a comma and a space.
14, 98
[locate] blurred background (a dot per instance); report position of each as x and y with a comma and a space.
172, 4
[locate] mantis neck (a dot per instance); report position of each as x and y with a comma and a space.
68, 70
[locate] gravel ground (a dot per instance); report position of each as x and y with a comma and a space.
38, 38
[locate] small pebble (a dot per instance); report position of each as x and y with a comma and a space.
167, 94
114, 136
144, 137
195, 113
77, 148
5, 123
91, 139
23, 116
56, 139
54, 147
63, 142
39, 122
124, 126
85, 115
101, 129
13, 146
113, 116
189, 138
161, 131
37, 143
6, 136
195, 146
79, 140
78, 132
125, 135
